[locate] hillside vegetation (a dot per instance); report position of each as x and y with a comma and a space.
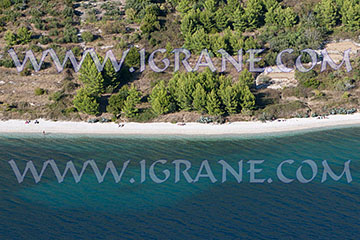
135, 95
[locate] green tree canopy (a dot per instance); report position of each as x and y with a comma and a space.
23, 35
199, 98
85, 102
160, 99
327, 13
116, 101
213, 104
91, 77
131, 101
350, 12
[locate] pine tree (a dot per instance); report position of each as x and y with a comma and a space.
221, 19
210, 6
213, 105
327, 13
132, 58
190, 23
197, 41
268, 4
23, 35
228, 96
246, 78
230, 6
206, 19
199, 98
246, 96
210, 80
287, 17
111, 78
116, 101
271, 15
91, 77
138, 5
184, 6
149, 23
236, 41
10, 38
239, 19
169, 48
217, 43
131, 101
351, 15
160, 99
254, 13
250, 43
184, 90
85, 102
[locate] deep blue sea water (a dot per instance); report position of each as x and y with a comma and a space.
201, 210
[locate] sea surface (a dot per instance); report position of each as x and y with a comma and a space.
131, 209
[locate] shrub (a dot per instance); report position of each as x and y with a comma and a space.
68, 12
311, 83
318, 93
70, 110
26, 72
45, 40
10, 38
284, 109
35, 48
8, 63
70, 34
130, 14
121, 45
35, 12
38, 23
87, 36
69, 86
57, 96
136, 37
23, 35
76, 51
144, 115
133, 58
53, 32
302, 77
39, 91
346, 95
91, 16
345, 84
5, 4
149, 23
114, 28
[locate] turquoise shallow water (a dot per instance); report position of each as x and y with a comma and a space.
201, 210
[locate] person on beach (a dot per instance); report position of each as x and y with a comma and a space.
44, 133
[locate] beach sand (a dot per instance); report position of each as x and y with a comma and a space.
236, 128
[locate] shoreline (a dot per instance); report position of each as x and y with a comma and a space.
197, 129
